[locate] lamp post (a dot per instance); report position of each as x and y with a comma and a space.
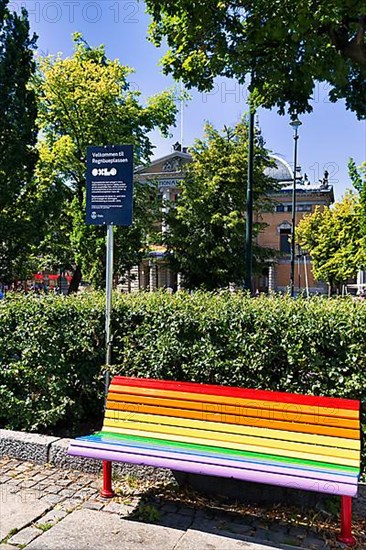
249, 204
295, 123
249, 200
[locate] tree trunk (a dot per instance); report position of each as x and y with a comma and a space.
75, 281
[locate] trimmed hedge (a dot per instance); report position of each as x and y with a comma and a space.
52, 349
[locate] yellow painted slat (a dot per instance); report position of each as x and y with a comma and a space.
282, 437
196, 436
254, 421
270, 405
272, 438
227, 409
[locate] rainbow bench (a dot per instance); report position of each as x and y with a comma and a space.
303, 442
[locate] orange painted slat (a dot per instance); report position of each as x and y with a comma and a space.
237, 419
212, 409
217, 399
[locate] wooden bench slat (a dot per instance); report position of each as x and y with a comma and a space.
234, 418
219, 453
282, 437
248, 409
228, 391
204, 449
236, 401
297, 450
221, 471
335, 477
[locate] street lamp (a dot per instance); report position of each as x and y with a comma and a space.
295, 124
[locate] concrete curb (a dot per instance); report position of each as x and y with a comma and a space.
43, 449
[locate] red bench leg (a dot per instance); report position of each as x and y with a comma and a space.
107, 491
346, 522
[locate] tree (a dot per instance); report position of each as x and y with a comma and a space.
287, 46
333, 238
206, 228
86, 100
18, 209
358, 178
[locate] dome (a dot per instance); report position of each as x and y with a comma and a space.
281, 172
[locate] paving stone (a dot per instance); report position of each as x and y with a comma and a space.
4, 478
262, 534
28, 483
313, 543
186, 511
82, 528
54, 489
175, 521
19, 510
93, 505
52, 499
52, 516
118, 508
39, 477
64, 482
69, 504
25, 536
194, 540
67, 492
169, 507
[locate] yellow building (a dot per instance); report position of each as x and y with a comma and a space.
276, 277
168, 172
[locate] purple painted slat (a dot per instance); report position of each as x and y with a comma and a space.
220, 471
184, 457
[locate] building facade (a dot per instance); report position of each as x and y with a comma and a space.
168, 172
277, 234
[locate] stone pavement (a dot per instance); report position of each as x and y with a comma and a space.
47, 508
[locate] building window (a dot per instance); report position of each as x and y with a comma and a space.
285, 245
303, 208
284, 208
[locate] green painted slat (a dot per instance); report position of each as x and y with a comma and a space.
198, 447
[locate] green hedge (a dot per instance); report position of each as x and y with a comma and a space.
52, 349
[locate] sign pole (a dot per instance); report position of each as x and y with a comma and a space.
109, 202
108, 305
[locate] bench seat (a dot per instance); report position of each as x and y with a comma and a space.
303, 442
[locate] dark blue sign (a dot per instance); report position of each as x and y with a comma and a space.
109, 185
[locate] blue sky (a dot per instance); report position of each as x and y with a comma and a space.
328, 136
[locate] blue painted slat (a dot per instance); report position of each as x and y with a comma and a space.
119, 444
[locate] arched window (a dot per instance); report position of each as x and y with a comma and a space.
284, 230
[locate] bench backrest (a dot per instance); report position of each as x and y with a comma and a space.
306, 430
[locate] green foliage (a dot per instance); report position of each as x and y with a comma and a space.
288, 46
85, 100
206, 228
50, 356
51, 350
18, 207
333, 237
358, 177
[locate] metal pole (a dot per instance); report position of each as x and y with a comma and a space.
249, 206
306, 277
108, 304
292, 275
